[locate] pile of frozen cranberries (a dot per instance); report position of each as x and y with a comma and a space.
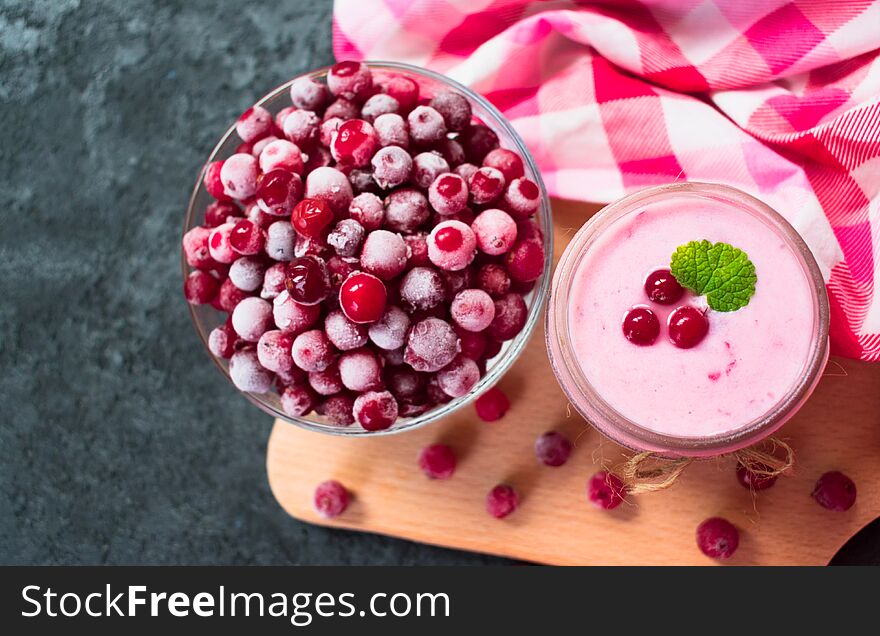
372, 247
687, 325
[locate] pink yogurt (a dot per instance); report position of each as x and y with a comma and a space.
748, 375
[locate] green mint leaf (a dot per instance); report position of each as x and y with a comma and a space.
720, 272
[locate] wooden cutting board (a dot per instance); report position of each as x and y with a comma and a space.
838, 429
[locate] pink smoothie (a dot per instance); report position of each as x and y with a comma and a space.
749, 360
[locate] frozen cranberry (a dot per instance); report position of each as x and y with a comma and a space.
473, 344
835, 491
291, 316
313, 351
308, 281
417, 244
522, 198
343, 109
485, 185
254, 123
508, 162
437, 461
297, 400
247, 273
354, 143
239, 176
404, 90
261, 145
448, 194
422, 288
662, 288
281, 155
200, 288
501, 501
492, 405
338, 409
405, 210
213, 182
247, 374
431, 344
303, 128
753, 479
493, 279
273, 351
219, 247
459, 376
454, 108
427, 166
717, 538
525, 261
346, 237
477, 141
326, 382
383, 254
405, 383
391, 130
687, 327
318, 158
350, 79
311, 246
510, 317
311, 217
368, 210
466, 171
246, 238
255, 215
273, 281
229, 296
451, 245
391, 167
389, 332
251, 318
308, 93
640, 326
332, 186
219, 213
195, 248
343, 333
329, 129
472, 309
496, 233
379, 104
552, 448
362, 297
278, 192
605, 490
426, 125
331, 499
280, 241
375, 410
360, 370
221, 341
361, 180
393, 357
295, 376
436, 395
245, 148
281, 116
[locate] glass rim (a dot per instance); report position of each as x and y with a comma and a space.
606, 418
539, 294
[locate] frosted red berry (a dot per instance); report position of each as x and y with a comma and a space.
486, 185
753, 479
354, 143
553, 448
281, 155
448, 194
507, 162
522, 198
247, 238
384, 254
437, 461
404, 90
273, 351
492, 405
835, 491
431, 344
392, 166
254, 123
239, 176
405, 210
501, 501
458, 377
330, 499
360, 370
213, 183
291, 316
247, 374
375, 410
510, 317
297, 400
350, 79
200, 288
605, 490
308, 281
641, 326
717, 538
221, 341
451, 245
427, 166
368, 210
687, 327
426, 125
454, 108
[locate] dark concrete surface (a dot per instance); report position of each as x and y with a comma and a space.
120, 442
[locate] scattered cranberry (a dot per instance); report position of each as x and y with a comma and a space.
640, 326
662, 288
717, 538
552, 448
510, 317
350, 80
331, 499
375, 410
200, 288
492, 405
687, 327
308, 281
213, 183
437, 461
297, 400
754, 480
501, 501
835, 491
362, 297
404, 90
383, 254
247, 373
392, 166
605, 490
426, 125
354, 143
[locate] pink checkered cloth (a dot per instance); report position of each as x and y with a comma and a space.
780, 99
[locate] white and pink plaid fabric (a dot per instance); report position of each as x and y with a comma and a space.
778, 98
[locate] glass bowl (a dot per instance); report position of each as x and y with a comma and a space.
205, 318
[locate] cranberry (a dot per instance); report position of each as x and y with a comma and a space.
605, 490
493, 348
389, 332
360, 370
303, 128
354, 143
466, 171
247, 238
273, 281
280, 241
350, 79
458, 377
552, 448
473, 345
448, 194
313, 351
254, 123
485, 185
219, 213
437, 461
239, 176
383, 254
835, 491
368, 210
405, 210
510, 317
291, 316
404, 90
525, 261
427, 166
508, 162
492, 405
417, 245
342, 108
431, 344
195, 248
362, 297
754, 480
392, 166
477, 140
247, 374
308, 281
426, 125
501, 501
332, 186
422, 288
377, 105
640, 326
472, 309
340, 268
522, 198
391, 130
222, 340
281, 155
454, 108
247, 273
451, 151
405, 383
229, 296
662, 288
493, 279
346, 238
311, 217
375, 410
297, 400
361, 180
308, 93
251, 318
338, 409
451, 245
213, 183
343, 333
331, 499
496, 232
200, 288
318, 158
717, 538
687, 327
